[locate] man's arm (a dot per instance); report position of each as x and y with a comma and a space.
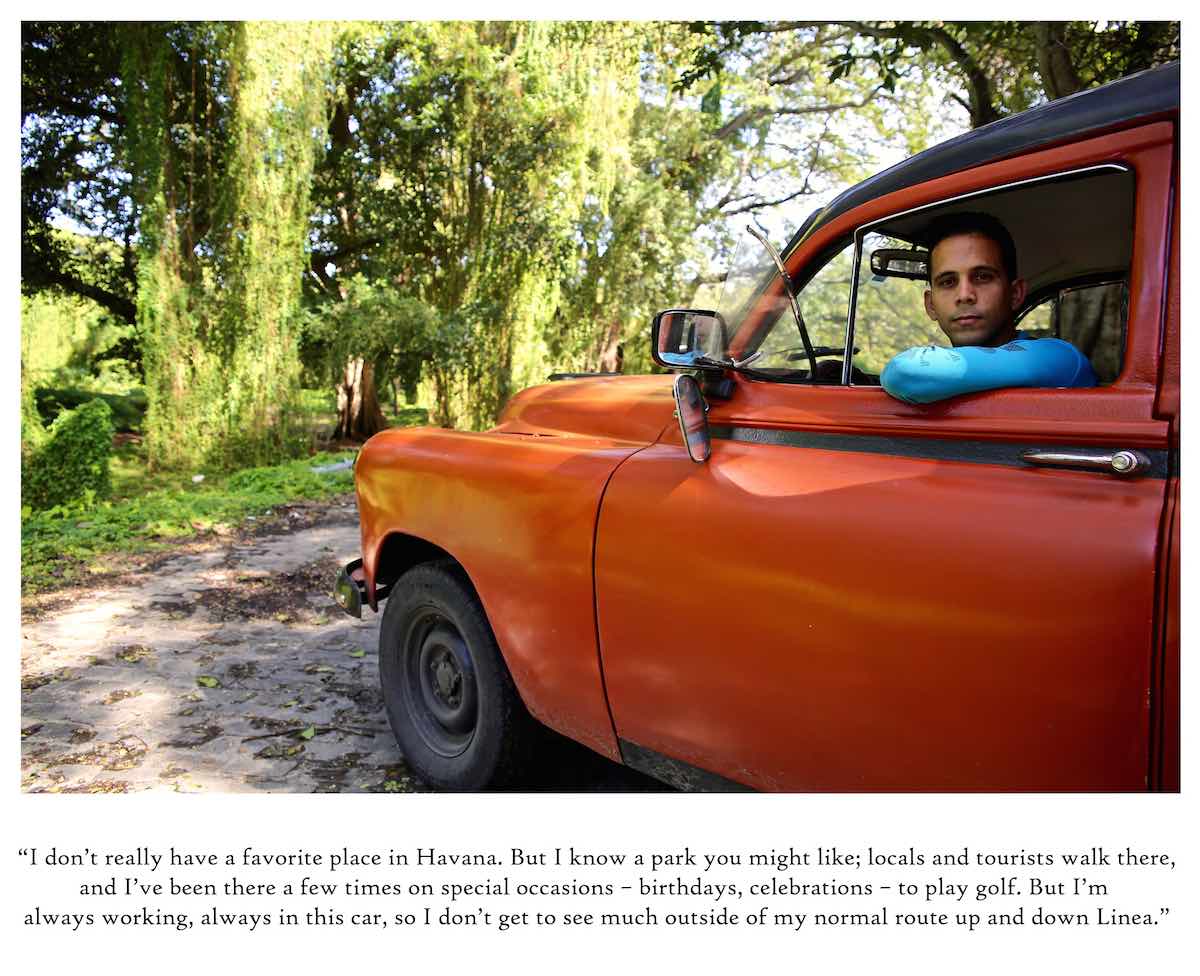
928, 373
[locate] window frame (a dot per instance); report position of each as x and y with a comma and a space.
862, 230
1034, 299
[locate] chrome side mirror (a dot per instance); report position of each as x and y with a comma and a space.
680, 336
692, 412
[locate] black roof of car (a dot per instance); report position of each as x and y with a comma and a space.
1139, 97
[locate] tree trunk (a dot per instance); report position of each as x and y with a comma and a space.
979, 86
443, 414
1059, 76
359, 415
608, 355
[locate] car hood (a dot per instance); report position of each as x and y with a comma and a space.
623, 408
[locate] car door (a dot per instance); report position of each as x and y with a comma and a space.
858, 594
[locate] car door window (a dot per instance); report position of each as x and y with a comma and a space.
1074, 238
1093, 317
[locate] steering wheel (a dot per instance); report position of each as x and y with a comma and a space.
839, 351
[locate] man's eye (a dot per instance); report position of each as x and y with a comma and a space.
945, 282
984, 276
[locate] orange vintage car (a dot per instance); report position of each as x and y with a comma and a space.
768, 573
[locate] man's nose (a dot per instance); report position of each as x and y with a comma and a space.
966, 293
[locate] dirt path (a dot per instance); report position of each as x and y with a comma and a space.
225, 670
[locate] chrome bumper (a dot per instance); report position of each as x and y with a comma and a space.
350, 589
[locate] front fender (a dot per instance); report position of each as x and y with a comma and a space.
518, 512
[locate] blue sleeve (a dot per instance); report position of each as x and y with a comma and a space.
929, 373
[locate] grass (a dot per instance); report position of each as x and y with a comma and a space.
132, 479
66, 545
150, 511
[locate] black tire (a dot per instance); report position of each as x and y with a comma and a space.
450, 700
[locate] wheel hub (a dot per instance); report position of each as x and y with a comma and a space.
447, 679
444, 700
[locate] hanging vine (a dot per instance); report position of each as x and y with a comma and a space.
225, 123
277, 84
174, 306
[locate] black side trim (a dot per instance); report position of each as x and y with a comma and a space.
932, 448
555, 377
675, 773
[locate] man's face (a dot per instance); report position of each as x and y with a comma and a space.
970, 295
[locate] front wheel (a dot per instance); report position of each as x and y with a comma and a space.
450, 700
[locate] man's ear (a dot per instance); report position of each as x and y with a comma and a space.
929, 304
1019, 288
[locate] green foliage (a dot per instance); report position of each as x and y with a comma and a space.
223, 168
470, 206
33, 433
127, 411
72, 115
72, 464
1113, 49
67, 340
719, 41
62, 544
476, 148
174, 304
277, 83
991, 68
294, 480
637, 254
377, 323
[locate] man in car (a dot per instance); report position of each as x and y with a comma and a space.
973, 294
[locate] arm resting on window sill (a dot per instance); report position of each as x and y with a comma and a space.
929, 373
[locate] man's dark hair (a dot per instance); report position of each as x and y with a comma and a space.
951, 225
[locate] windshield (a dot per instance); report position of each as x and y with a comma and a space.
753, 293
762, 332
751, 271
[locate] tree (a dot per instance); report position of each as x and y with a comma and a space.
277, 84
541, 186
523, 195
638, 250
72, 117
374, 336
185, 153
460, 154
992, 68
222, 166
989, 69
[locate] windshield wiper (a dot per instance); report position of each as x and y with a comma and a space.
791, 294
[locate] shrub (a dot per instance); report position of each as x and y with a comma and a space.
33, 432
72, 464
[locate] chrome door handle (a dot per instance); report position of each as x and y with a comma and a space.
1115, 462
